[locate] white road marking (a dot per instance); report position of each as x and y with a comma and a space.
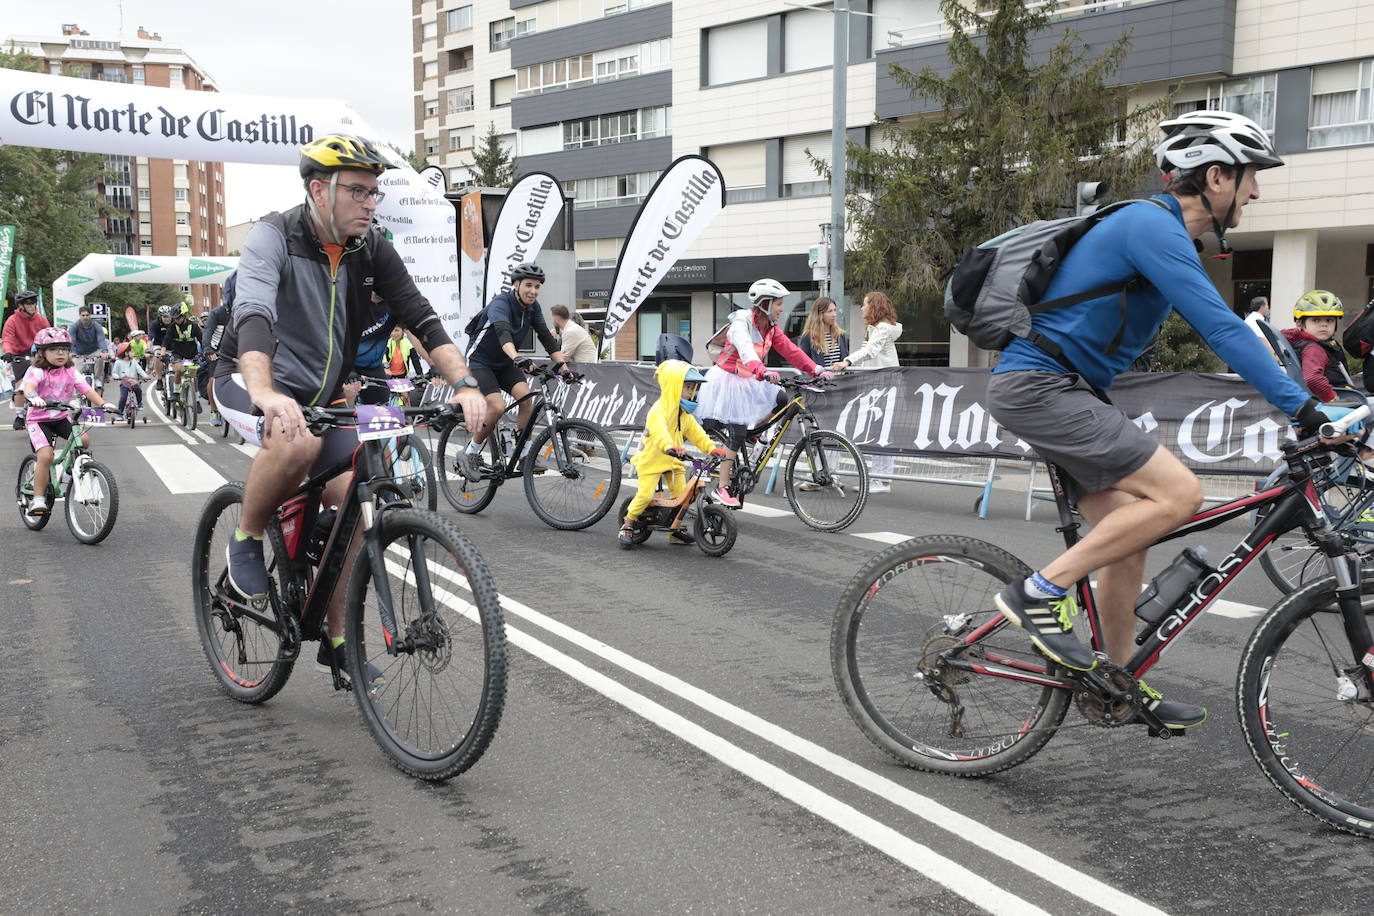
882, 537
150, 401
944, 871
1234, 609
248, 448
1039, 864
181, 469
205, 436
764, 511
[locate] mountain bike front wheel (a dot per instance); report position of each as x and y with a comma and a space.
434, 706
581, 475
826, 481
912, 650
1305, 708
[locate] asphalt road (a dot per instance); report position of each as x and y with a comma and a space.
672, 742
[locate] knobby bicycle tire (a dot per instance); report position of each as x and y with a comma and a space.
25, 480
1307, 723
828, 446
579, 495
468, 497
260, 678
465, 633
190, 402
96, 533
886, 649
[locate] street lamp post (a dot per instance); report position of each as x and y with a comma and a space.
838, 170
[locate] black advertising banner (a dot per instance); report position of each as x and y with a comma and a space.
1217, 424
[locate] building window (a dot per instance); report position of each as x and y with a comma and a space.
502, 31
145, 243
144, 194
656, 55
460, 100
1342, 104
183, 219
555, 74
458, 59
592, 253
181, 193
431, 69
459, 19
138, 74
429, 30
176, 78
431, 108
742, 164
502, 91
431, 146
807, 40
611, 190
113, 75
737, 52
460, 139
620, 127
799, 176
1252, 96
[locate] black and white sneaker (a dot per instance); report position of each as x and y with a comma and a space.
1046, 621
1171, 712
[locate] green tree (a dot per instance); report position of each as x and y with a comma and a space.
416, 161
491, 165
1178, 348
48, 195
1005, 144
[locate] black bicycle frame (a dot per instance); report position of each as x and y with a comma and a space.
541, 405
1289, 505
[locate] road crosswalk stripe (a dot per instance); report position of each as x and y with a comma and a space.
180, 469
764, 511
882, 537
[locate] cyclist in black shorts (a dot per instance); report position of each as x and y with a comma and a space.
508, 318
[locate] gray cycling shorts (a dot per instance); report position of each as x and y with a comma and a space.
1065, 422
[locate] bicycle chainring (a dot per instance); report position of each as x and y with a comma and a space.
1114, 707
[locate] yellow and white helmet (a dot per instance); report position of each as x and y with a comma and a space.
1318, 303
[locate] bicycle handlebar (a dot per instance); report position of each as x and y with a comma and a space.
1334, 428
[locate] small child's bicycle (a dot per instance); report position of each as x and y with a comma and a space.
131, 400
87, 486
712, 526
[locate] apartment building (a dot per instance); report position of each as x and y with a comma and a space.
161, 206
607, 92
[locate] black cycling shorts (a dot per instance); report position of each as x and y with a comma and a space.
731, 434
504, 378
45, 433
236, 409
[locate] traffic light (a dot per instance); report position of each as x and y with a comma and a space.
1091, 195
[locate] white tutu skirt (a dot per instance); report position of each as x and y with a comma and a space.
732, 398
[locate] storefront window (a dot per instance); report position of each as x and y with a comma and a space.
662, 315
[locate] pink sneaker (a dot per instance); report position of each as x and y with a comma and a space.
724, 496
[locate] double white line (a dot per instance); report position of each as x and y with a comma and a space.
941, 869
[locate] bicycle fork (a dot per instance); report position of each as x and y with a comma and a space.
372, 543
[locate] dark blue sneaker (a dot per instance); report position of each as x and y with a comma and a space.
375, 679
1171, 712
1046, 621
246, 567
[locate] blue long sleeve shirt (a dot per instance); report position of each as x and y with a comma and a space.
1146, 241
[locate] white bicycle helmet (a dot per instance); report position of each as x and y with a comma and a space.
1200, 138
766, 289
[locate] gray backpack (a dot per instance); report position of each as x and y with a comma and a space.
996, 287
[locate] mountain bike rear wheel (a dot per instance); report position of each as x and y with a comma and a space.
1305, 711
242, 643
434, 706
467, 496
907, 670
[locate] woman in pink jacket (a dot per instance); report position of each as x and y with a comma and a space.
739, 392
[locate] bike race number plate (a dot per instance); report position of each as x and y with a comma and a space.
90, 416
399, 385
381, 422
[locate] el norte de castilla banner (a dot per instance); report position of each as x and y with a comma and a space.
684, 200
91, 116
526, 217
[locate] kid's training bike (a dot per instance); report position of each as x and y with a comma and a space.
935, 676
425, 640
87, 486
695, 517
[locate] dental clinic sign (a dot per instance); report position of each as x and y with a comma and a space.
93, 116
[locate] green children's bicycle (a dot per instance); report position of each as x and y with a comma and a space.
87, 486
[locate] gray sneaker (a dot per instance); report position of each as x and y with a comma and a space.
468, 465
1046, 621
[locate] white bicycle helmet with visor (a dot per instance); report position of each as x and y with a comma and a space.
1198, 139
764, 291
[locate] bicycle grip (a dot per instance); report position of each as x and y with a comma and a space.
1333, 428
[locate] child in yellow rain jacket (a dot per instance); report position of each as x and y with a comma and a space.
669, 423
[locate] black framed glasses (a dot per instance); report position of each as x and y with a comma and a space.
361, 193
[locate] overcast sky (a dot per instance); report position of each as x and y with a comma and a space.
357, 52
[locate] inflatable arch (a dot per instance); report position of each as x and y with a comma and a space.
69, 292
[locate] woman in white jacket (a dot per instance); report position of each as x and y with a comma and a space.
878, 352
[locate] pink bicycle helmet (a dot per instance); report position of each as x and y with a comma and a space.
52, 337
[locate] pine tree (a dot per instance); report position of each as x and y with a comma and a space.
1006, 145
492, 165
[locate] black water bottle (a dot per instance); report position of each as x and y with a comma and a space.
1172, 584
319, 534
